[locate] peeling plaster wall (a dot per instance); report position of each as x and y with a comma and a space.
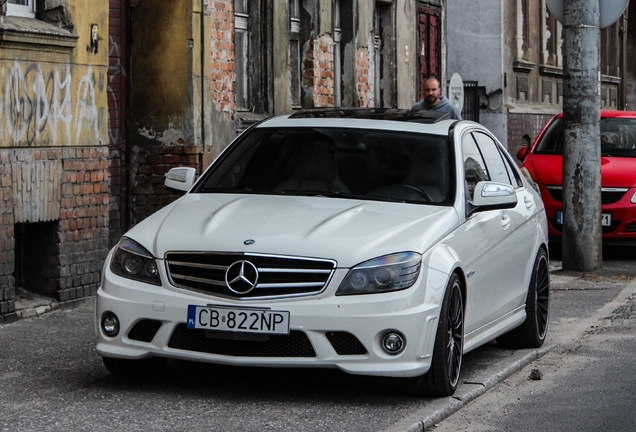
172, 105
53, 154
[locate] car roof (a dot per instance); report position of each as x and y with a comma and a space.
612, 114
431, 122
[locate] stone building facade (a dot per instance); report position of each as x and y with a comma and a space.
101, 98
513, 50
201, 71
53, 150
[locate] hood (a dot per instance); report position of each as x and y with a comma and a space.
615, 171
348, 231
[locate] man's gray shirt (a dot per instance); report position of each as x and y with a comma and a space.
444, 105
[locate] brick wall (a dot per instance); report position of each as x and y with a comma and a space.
364, 78
83, 221
149, 192
117, 99
318, 75
65, 189
7, 254
223, 67
524, 124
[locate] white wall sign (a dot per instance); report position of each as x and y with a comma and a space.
456, 91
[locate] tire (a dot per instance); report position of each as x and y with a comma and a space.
135, 368
532, 333
442, 378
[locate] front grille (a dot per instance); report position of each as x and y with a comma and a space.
604, 230
608, 196
345, 343
144, 330
631, 227
295, 344
277, 276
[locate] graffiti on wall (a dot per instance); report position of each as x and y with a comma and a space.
115, 73
44, 108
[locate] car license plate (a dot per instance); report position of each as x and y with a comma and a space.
246, 320
606, 219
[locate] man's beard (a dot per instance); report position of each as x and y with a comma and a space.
431, 100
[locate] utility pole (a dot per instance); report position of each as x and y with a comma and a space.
582, 248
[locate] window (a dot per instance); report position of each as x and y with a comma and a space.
484, 160
552, 40
241, 47
384, 55
337, 61
294, 51
523, 30
494, 163
474, 166
24, 8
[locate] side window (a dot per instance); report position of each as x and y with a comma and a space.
512, 172
474, 166
494, 161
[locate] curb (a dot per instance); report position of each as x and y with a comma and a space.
440, 409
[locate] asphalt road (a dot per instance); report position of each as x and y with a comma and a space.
588, 384
51, 378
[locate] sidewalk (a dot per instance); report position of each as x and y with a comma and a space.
579, 301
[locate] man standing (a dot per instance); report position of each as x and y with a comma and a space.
435, 101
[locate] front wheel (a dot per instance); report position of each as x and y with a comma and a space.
532, 333
442, 378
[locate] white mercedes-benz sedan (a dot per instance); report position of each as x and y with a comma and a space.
376, 241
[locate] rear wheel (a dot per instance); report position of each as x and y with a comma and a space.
532, 333
442, 378
135, 368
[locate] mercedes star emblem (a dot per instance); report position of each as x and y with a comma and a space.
241, 277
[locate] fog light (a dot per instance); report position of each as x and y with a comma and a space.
393, 343
110, 324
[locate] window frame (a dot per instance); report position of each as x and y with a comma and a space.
26, 11
241, 37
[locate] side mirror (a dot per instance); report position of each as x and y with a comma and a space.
522, 153
180, 180
493, 196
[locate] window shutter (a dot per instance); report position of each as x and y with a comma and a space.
39, 9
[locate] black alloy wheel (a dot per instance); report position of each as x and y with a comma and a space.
443, 376
533, 331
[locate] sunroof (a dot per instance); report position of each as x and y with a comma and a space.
373, 114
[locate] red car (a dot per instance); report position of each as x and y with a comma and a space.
543, 160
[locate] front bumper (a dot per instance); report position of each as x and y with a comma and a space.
341, 332
622, 230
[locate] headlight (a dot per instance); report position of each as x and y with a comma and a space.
633, 201
133, 261
388, 273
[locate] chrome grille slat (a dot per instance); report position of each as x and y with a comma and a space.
278, 276
187, 264
289, 285
281, 270
196, 279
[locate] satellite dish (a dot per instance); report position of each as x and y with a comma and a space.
611, 10
456, 91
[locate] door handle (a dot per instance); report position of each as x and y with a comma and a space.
505, 220
528, 202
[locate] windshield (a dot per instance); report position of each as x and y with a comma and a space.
336, 162
618, 138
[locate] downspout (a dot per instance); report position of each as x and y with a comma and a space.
202, 55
